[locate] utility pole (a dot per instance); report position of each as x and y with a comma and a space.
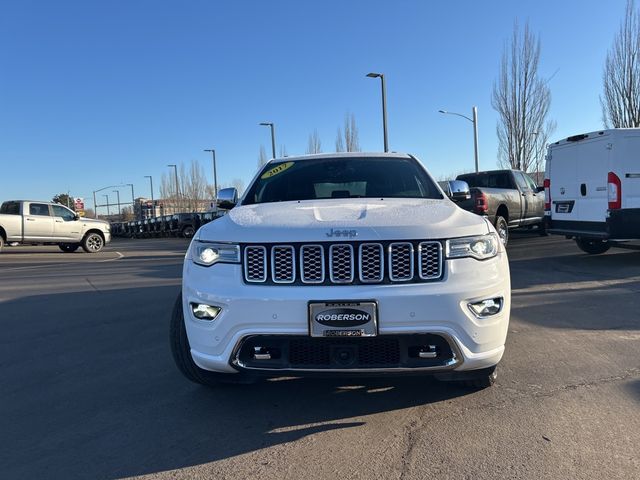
215, 181
119, 210
153, 205
474, 121
273, 137
175, 168
384, 107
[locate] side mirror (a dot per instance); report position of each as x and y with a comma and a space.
76, 217
227, 198
459, 190
540, 189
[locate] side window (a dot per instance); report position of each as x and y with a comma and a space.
522, 183
10, 208
530, 182
66, 214
41, 209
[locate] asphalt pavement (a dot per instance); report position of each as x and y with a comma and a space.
88, 388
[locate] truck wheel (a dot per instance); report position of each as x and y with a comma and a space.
1, 243
92, 243
188, 232
181, 352
69, 247
542, 229
503, 229
474, 379
485, 379
592, 246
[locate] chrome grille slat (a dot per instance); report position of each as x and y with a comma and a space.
312, 264
376, 262
371, 262
429, 260
341, 263
255, 264
283, 264
401, 261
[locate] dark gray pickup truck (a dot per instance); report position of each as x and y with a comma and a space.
509, 198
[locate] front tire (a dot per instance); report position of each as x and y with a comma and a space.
69, 247
473, 379
1, 243
188, 232
502, 228
92, 242
181, 351
592, 246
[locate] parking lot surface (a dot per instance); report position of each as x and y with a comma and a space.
89, 389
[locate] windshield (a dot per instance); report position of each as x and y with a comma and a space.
353, 177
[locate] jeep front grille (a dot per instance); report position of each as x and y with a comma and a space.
343, 263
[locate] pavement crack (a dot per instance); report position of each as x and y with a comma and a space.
93, 286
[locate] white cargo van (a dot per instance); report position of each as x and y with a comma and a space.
592, 188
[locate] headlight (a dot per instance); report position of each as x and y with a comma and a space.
480, 247
206, 253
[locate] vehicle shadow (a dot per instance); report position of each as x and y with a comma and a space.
577, 290
90, 391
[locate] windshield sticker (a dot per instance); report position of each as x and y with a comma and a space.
276, 170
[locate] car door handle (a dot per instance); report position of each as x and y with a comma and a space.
30, 219
58, 221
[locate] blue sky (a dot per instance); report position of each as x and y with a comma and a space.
97, 93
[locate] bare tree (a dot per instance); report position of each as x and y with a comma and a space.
262, 157
350, 140
238, 183
314, 144
522, 99
621, 77
339, 141
192, 185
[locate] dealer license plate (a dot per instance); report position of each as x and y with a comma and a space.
343, 319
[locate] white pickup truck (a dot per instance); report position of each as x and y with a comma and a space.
33, 222
342, 264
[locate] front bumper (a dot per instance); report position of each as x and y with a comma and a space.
404, 310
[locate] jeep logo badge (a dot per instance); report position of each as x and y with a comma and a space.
342, 233
343, 317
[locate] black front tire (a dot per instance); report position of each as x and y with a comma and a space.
592, 246
472, 379
502, 228
92, 242
542, 229
68, 247
181, 351
188, 232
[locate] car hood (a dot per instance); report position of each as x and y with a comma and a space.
93, 222
344, 219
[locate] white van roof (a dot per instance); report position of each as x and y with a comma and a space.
611, 132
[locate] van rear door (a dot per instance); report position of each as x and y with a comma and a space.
592, 168
563, 186
626, 166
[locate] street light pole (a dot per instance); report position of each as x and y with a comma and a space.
215, 180
474, 121
153, 205
119, 211
273, 137
133, 200
384, 107
175, 168
107, 197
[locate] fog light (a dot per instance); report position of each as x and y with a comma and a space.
205, 312
486, 308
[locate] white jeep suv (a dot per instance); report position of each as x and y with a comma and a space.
342, 263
